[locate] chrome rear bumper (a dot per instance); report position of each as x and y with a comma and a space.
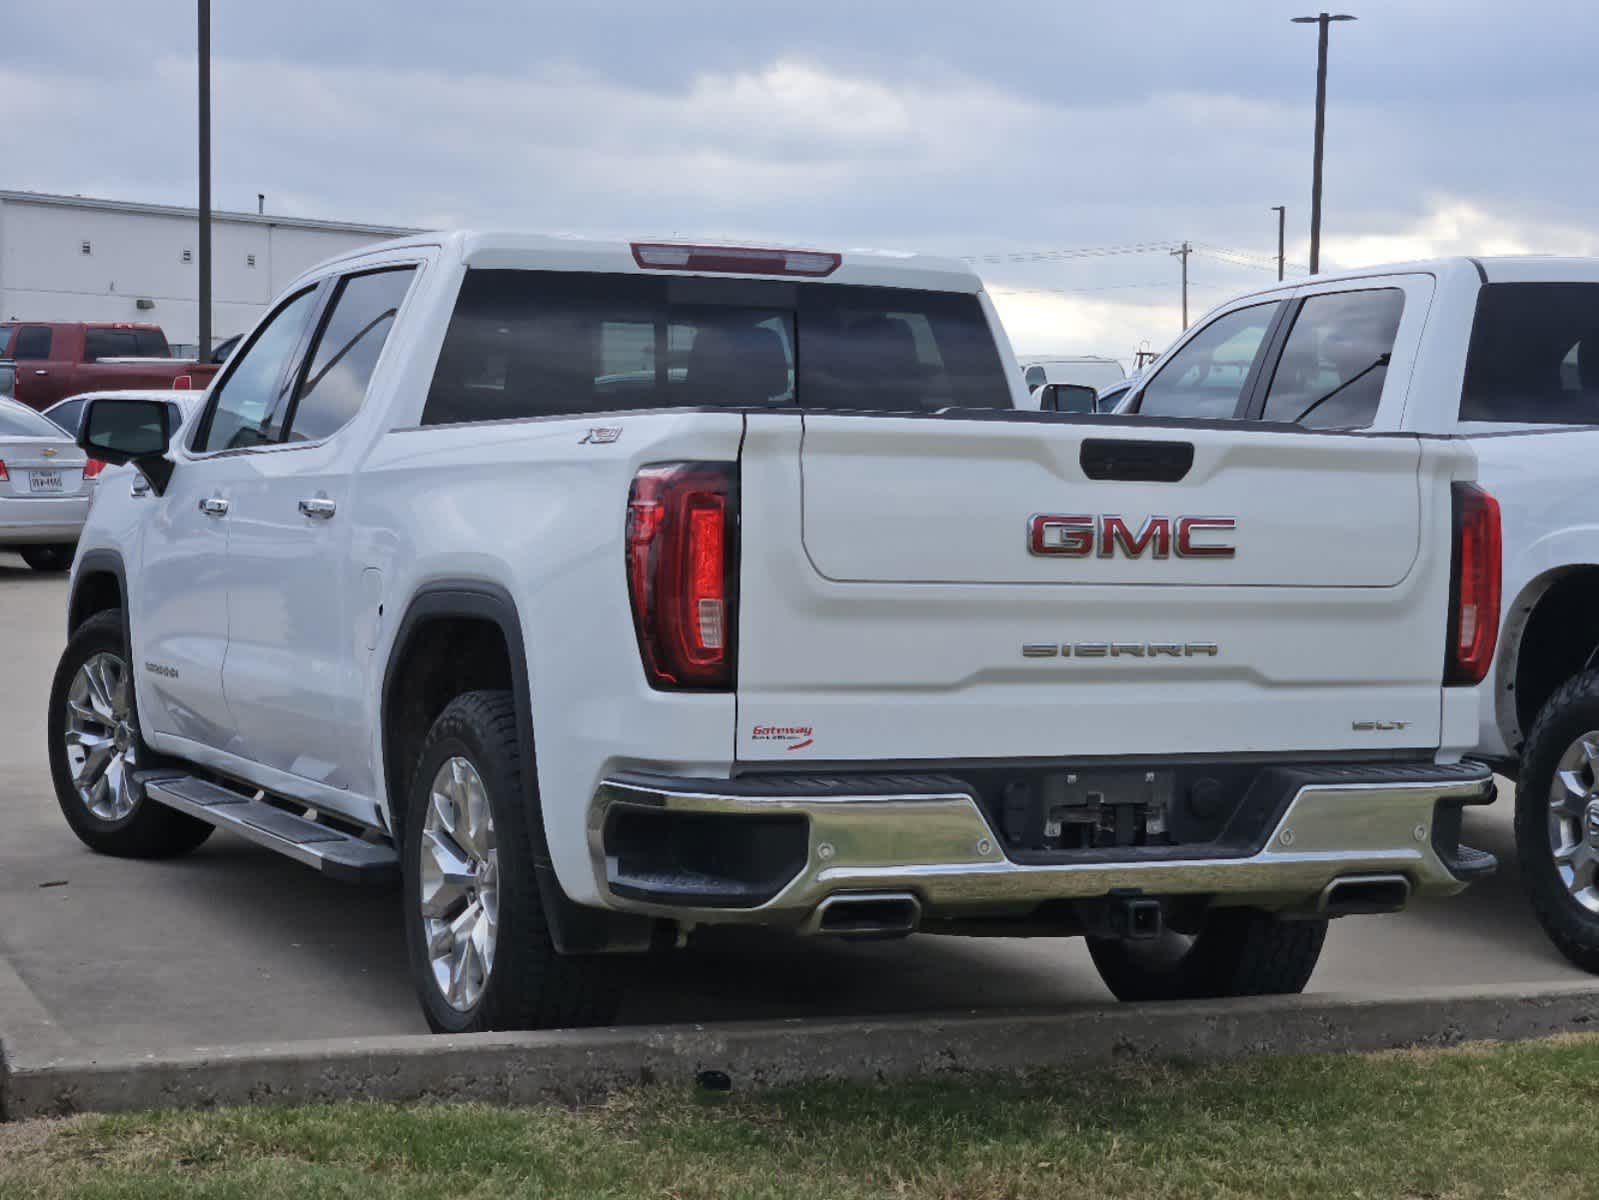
928, 837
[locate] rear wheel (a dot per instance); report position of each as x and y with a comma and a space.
48, 558
95, 747
1237, 952
1557, 819
482, 957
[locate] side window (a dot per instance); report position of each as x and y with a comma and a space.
245, 405
32, 341
1534, 355
346, 352
68, 415
1334, 362
1207, 376
108, 343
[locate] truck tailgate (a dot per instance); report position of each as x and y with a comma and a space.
1013, 587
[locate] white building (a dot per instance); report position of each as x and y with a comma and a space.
71, 258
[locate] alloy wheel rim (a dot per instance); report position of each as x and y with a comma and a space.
460, 893
101, 737
1574, 820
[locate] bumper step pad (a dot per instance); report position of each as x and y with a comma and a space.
336, 854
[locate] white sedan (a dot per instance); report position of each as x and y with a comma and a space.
46, 484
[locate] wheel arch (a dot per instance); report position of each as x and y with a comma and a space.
453, 609
99, 583
1550, 633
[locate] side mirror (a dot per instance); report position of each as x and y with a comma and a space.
118, 431
1066, 398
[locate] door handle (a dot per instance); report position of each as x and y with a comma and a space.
214, 506
319, 507
41, 372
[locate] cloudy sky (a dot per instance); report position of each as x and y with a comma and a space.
1005, 131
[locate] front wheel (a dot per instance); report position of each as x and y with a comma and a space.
482, 957
47, 558
93, 730
1237, 952
1557, 819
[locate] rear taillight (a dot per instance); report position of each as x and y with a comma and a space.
1474, 599
92, 468
682, 544
4, 476
183, 383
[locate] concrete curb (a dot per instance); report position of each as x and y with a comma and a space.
584, 1064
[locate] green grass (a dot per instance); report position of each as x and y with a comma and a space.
1484, 1121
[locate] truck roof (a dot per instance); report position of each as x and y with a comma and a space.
532, 251
142, 325
1497, 268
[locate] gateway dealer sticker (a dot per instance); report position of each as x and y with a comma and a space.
797, 737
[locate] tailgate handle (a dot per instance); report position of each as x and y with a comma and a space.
1136, 461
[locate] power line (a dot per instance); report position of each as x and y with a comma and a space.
1193, 286
1078, 252
1226, 254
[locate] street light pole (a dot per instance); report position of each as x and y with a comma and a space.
1282, 218
205, 180
1321, 20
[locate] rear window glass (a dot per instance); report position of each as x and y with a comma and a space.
538, 343
1534, 355
18, 421
68, 415
5, 340
123, 343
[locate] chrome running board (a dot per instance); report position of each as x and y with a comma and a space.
336, 854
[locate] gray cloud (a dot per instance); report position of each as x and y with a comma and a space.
948, 127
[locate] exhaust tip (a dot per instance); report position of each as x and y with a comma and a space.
888, 914
1354, 895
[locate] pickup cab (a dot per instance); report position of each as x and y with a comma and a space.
1500, 355
57, 359
601, 592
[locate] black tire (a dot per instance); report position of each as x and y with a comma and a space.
529, 984
1237, 952
48, 558
148, 829
1571, 712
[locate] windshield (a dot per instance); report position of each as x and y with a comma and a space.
18, 420
539, 343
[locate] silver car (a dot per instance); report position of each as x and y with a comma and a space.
46, 484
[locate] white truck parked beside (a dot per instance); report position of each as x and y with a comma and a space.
605, 591
1502, 355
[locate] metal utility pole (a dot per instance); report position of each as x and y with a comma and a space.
1282, 220
205, 180
1321, 20
1183, 252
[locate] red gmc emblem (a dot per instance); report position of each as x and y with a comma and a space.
1107, 535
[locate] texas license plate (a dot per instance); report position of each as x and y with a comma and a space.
44, 481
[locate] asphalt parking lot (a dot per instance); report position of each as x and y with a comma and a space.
235, 944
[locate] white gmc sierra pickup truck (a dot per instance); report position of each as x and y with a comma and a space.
606, 591
1502, 355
